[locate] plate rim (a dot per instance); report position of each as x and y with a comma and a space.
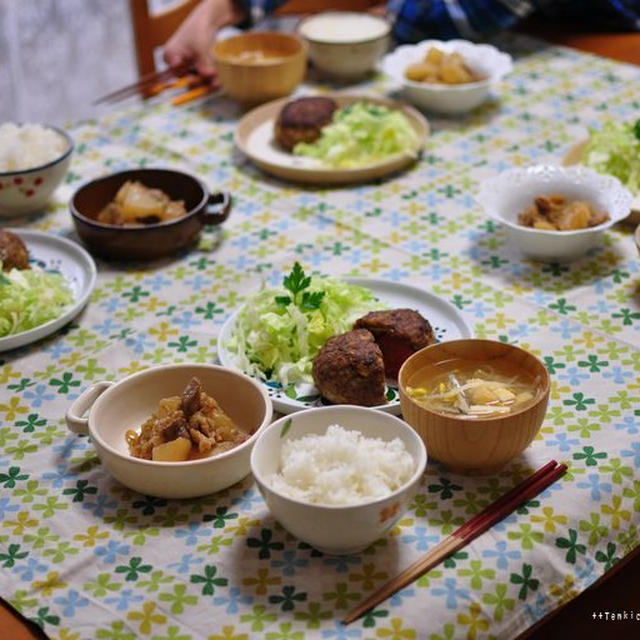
329, 175
395, 409
14, 341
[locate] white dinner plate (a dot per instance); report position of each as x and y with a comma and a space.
53, 253
445, 319
255, 138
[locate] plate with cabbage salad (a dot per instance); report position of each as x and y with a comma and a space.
277, 333
368, 137
38, 301
613, 149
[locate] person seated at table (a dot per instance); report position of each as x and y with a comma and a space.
413, 20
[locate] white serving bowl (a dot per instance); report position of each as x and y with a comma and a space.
116, 407
349, 56
338, 530
28, 191
511, 192
483, 59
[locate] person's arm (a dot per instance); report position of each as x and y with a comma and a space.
417, 20
193, 40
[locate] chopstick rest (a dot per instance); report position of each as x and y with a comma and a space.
474, 527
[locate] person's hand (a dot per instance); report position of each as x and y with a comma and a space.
378, 10
191, 44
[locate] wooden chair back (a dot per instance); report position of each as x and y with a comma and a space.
152, 30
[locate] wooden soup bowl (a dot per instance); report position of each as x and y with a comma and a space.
475, 445
252, 82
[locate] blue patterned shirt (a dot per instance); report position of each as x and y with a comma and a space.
416, 20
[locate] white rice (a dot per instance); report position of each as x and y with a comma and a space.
27, 146
341, 467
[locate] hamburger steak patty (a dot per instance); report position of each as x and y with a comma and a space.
13, 253
302, 120
349, 369
398, 333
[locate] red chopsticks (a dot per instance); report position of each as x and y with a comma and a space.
476, 526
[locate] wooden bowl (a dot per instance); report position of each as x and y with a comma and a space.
276, 75
477, 445
150, 241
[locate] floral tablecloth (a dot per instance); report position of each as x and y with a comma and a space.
87, 558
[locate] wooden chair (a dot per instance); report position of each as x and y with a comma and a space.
152, 30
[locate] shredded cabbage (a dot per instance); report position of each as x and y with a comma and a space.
361, 134
615, 150
278, 342
31, 297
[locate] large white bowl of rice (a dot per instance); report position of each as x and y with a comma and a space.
338, 477
34, 159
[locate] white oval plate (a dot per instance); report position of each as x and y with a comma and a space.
446, 320
54, 253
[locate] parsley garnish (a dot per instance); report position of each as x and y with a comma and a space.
296, 282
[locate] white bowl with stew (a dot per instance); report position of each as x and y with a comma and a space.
114, 408
508, 194
336, 529
483, 59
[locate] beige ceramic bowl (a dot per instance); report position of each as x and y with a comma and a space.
116, 407
338, 530
28, 191
479, 444
280, 70
345, 51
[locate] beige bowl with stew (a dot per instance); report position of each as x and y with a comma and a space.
114, 408
475, 444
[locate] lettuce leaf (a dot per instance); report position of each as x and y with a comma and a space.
615, 150
31, 297
279, 342
361, 134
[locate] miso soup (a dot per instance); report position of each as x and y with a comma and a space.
471, 389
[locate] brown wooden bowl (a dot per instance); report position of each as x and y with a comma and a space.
251, 82
478, 445
153, 240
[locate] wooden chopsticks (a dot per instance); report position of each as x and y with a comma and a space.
144, 83
496, 511
155, 83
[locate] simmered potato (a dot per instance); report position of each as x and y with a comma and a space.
435, 56
173, 451
440, 67
421, 72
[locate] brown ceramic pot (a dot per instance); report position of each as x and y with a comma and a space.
153, 240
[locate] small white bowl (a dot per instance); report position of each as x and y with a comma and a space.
116, 407
338, 530
511, 192
29, 190
343, 55
483, 59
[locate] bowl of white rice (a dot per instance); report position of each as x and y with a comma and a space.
338, 478
34, 159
